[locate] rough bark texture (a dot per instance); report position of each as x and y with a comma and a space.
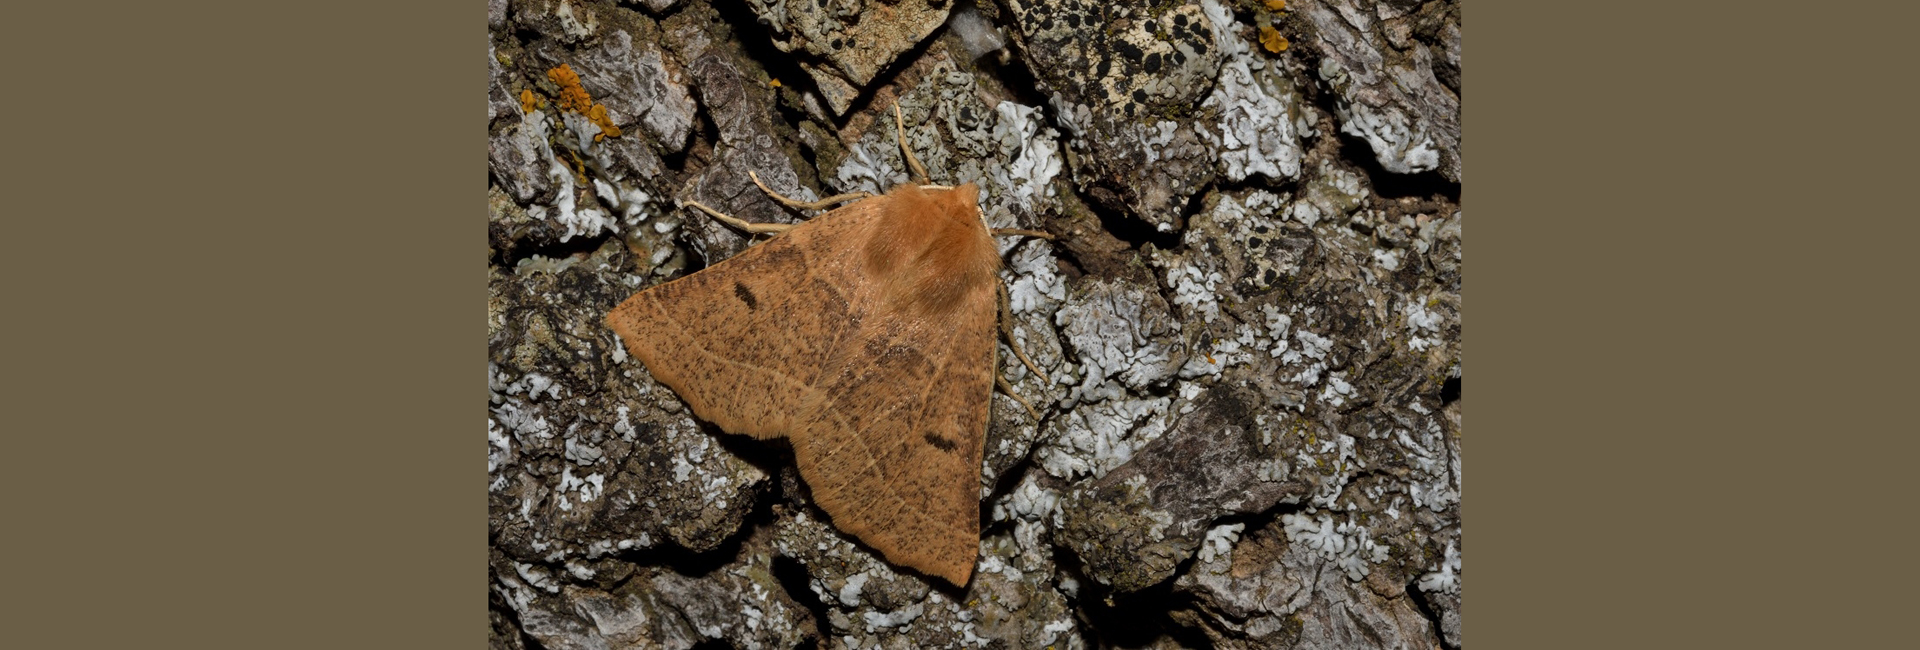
1249, 327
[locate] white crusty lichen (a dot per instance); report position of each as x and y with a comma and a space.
1446, 578
1256, 105
1422, 322
1028, 502
1033, 283
978, 34
585, 489
528, 425
1219, 541
1399, 142
625, 204
1345, 543
1435, 484
1337, 390
895, 618
1036, 153
1304, 361
1154, 139
1339, 457
866, 171
1117, 332
1093, 439
1194, 289
1330, 193
499, 453
1400, 148
849, 593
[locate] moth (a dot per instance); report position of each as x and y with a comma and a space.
865, 336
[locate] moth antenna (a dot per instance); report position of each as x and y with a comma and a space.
816, 205
1008, 389
1017, 232
919, 170
756, 228
1006, 329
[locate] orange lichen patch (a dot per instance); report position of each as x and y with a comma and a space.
775, 83
573, 97
1272, 40
1276, 5
527, 101
598, 115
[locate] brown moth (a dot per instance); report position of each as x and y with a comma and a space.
865, 336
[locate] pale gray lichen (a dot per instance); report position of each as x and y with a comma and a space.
864, 171
1029, 501
1037, 159
1034, 285
1331, 193
1386, 95
1398, 142
1445, 578
1219, 541
847, 43
638, 88
1008, 601
1120, 331
1096, 437
521, 159
1256, 105
979, 35
1345, 543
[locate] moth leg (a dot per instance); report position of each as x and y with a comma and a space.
816, 205
1016, 232
919, 171
748, 226
1008, 389
1006, 330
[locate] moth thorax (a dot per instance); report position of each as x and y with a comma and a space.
931, 249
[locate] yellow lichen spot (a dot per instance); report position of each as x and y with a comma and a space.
598, 116
775, 83
527, 101
1272, 39
572, 96
1276, 5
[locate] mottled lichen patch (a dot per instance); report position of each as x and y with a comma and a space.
615, 604
639, 88
1125, 79
1008, 603
1272, 590
584, 459
842, 45
1257, 107
1389, 95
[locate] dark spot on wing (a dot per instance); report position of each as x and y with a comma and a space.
938, 441
745, 295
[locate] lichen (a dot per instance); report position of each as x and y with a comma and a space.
1256, 105
1444, 578
1345, 543
1095, 438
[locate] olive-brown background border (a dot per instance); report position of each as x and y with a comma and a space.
248, 239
